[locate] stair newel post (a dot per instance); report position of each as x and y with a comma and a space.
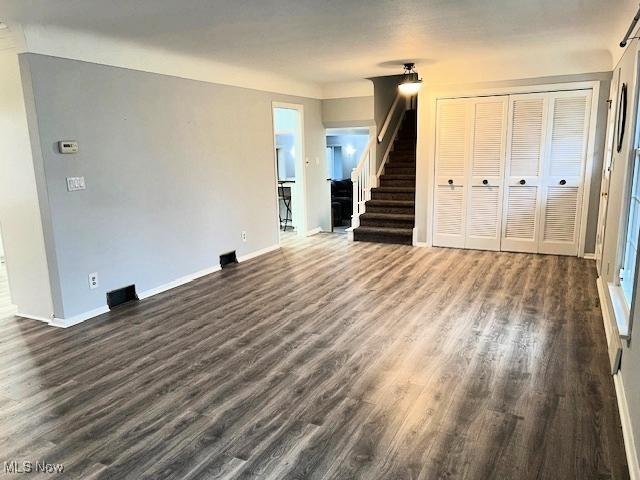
355, 221
374, 180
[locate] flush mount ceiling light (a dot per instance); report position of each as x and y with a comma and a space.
410, 83
3, 26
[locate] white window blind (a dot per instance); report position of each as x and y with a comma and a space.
628, 271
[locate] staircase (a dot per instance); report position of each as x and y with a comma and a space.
390, 214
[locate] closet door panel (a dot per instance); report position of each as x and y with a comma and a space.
525, 150
452, 148
485, 184
562, 183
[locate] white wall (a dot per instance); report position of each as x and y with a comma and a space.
20, 218
175, 170
348, 112
628, 379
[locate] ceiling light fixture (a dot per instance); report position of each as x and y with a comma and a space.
410, 84
3, 26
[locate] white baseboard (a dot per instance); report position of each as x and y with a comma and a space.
178, 282
76, 319
589, 256
33, 317
421, 244
627, 428
9, 311
257, 253
313, 231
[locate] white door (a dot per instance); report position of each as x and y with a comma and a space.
563, 172
525, 149
452, 150
606, 169
485, 174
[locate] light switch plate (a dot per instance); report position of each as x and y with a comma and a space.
67, 146
76, 183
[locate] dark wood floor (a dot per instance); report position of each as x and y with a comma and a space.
328, 359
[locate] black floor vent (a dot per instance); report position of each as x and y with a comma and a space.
121, 295
228, 258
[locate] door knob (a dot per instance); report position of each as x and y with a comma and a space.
450, 182
523, 181
563, 182
485, 182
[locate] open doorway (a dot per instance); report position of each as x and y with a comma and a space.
6, 306
288, 133
344, 149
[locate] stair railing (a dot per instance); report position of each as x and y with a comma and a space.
363, 178
385, 128
387, 121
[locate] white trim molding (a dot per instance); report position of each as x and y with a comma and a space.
257, 253
76, 319
627, 428
313, 231
11, 309
589, 256
299, 189
34, 317
612, 337
178, 282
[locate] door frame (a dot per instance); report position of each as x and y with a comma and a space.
611, 128
428, 143
300, 167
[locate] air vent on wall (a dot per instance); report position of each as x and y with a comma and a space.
228, 259
121, 296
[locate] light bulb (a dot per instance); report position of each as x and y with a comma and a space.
410, 88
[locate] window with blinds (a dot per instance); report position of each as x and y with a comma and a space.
628, 270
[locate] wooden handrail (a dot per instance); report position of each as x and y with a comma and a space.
387, 121
363, 158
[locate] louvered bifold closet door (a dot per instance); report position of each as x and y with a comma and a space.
485, 183
525, 150
562, 182
452, 148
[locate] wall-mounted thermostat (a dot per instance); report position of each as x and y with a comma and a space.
67, 146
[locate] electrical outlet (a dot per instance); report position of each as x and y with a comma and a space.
243, 235
93, 280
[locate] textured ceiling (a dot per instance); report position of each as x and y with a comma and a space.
340, 40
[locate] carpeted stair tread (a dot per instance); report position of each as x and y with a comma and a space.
394, 189
392, 203
389, 215
398, 176
400, 232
